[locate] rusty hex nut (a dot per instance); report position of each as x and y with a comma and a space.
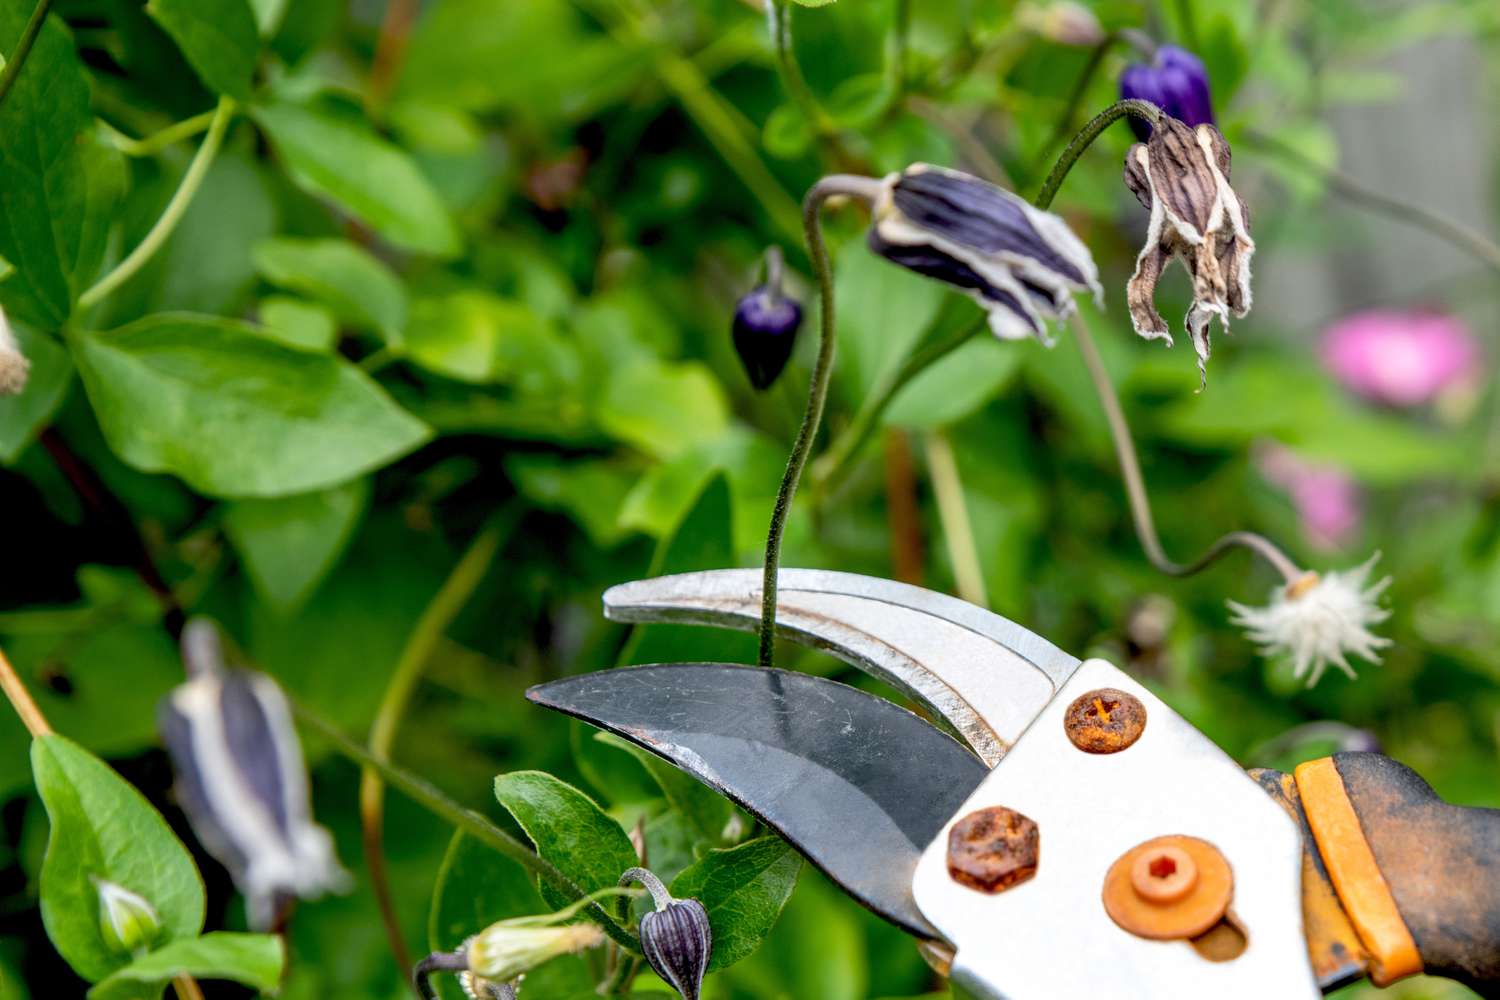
1105, 721
993, 849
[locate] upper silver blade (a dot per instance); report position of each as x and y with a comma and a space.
986, 675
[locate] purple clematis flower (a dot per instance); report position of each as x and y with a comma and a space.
765, 325
1402, 358
1176, 82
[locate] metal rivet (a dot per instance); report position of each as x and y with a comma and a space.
1169, 887
993, 849
1105, 721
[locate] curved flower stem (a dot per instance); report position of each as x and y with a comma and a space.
1135, 484
660, 897
1456, 233
17, 60
172, 214
20, 700
425, 794
866, 189
1144, 110
438, 961
829, 469
157, 141
439, 614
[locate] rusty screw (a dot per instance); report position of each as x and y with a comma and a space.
993, 849
1105, 721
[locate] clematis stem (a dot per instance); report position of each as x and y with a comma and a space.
172, 214
20, 700
17, 58
1139, 40
1441, 226
864, 189
157, 141
779, 20
438, 615
830, 469
1135, 484
1144, 110
427, 795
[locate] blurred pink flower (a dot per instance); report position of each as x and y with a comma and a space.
1327, 499
1401, 358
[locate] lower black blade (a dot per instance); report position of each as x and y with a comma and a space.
857, 784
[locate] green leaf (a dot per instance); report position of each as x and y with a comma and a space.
956, 386
23, 416
255, 960
358, 287
53, 176
101, 827
342, 158
219, 38
704, 808
476, 887
306, 326
588, 491
664, 408
882, 311
567, 829
289, 544
743, 888
477, 337
235, 414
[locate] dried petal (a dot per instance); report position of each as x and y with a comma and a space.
242, 781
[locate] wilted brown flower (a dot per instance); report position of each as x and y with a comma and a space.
1182, 175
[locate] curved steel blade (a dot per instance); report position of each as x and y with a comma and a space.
854, 782
986, 675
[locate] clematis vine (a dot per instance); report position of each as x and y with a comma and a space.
1181, 175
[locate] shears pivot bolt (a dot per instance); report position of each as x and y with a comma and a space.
991, 850
1105, 721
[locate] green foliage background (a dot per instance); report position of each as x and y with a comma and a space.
492, 276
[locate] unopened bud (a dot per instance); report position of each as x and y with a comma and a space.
127, 922
676, 937
1065, 23
765, 325
504, 950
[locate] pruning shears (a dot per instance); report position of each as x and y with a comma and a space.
1056, 830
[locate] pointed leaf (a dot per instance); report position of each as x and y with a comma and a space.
289, 544
567, 829
360, 289
743, 888
219, 38
236, 414
255, 960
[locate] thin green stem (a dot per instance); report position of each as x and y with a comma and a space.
866, 189
831, 468
20, 699
1135, 483
172, 214
470, 822
953, 513
1075, 99
1144, 110
158, 141
450, 599
17, 59
900, 46
779, 19
1461, 236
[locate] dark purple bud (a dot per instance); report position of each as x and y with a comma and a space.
1174, 81
677, 942
765, 326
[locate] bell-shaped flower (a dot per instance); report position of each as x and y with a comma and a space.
765, 325
1021, 264
1181, 175
1320, 619
242, 781
1174, 81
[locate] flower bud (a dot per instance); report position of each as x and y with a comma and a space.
765, 326
506, 949
1176, 82
242, 781
127, 922
1065, 23
676, 937
14, 366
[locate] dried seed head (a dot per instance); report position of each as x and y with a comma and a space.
242, 781
127, 922
1021, 264
14, 366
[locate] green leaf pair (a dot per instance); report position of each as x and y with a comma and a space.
103, 829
